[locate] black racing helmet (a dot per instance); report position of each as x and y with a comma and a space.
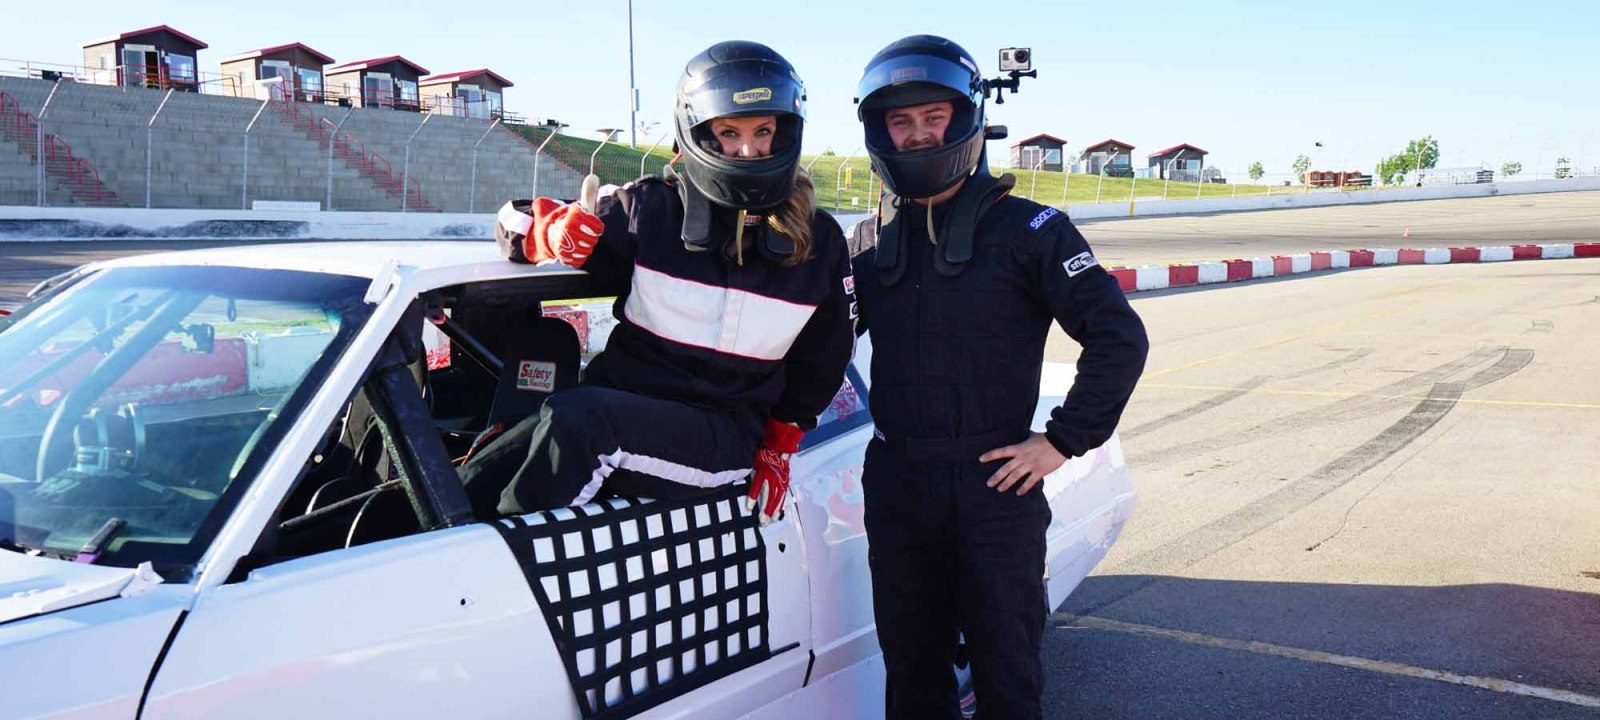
733, 79
918, 70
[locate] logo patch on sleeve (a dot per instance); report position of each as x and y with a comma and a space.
536, 376
1043, 217
1079, 263
849, 284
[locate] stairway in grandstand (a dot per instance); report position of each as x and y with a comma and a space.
350, 150
68, 173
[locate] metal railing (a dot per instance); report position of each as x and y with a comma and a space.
52, 157
85, 148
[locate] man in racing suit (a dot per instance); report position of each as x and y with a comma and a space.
959, 294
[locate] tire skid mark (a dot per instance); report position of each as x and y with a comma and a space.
1515, 359
1196, 545
1208, 404
1243, 389
1341, 411
1355, 355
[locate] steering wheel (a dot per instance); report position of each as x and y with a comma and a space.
51, 444
124, 431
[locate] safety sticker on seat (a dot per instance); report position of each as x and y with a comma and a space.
536, 376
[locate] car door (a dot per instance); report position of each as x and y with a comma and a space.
493, 620
827, 488
437, 623
433, 625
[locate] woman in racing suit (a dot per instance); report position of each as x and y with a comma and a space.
735, 309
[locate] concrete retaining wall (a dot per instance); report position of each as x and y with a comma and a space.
77, 223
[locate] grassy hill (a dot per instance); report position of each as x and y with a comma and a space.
1044, 186
616, 163
852, 188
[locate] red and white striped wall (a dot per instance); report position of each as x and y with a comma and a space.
1158, 277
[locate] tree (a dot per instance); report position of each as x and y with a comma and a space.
1301, 165
1256, 171
828, 152
1391, 168
1511, 168
1423, 154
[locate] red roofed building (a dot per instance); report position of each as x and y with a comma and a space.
292, 70
1180, 162
388, 82
1041, 152
474, 93
155, 57
1113, 157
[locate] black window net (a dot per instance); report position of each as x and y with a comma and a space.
647, 600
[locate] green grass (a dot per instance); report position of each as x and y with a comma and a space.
1047, 187
615, 164
618, 164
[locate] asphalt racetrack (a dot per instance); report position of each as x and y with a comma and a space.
1557, 217
1371, 493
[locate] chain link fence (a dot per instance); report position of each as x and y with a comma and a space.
77, 143
847, 184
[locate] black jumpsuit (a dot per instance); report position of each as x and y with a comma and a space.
955, 373
707, 346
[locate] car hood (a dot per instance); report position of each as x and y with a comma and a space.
35, 585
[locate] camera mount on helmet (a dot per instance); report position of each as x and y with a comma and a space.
1012, 82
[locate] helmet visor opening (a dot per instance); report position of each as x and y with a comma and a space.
906, 80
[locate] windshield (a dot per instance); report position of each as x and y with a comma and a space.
137, 404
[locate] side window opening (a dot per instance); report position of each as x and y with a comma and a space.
352, 491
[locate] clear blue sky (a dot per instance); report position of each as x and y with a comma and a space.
1246, 80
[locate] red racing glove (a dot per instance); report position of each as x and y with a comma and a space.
770, 485
542, 230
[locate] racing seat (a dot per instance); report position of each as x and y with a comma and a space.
540, 360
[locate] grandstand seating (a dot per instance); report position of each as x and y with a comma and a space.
97, 138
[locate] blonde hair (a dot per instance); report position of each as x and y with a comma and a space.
793, 217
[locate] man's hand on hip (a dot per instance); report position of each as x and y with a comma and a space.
1031, 460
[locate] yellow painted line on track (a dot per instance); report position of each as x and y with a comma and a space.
1377, 396
1326, 658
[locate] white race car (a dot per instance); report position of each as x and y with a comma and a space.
228, 489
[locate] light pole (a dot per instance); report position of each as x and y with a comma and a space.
1306, 178
1166, 177
633, 92
1345, 162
